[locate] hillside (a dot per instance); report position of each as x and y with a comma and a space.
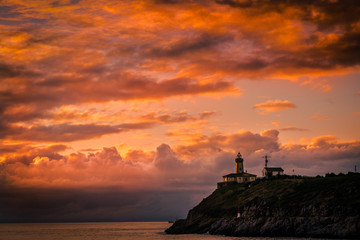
302, 207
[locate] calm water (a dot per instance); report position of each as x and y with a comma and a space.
93, 231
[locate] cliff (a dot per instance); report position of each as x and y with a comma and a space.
303, 207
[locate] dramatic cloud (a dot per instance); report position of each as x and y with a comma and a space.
185, 166
124, 87
324, 152
274, 105
67, 132
54, 56
25, 154
188, 46
244, 141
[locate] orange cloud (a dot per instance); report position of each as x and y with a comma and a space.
71, 124
168, 118
323, 141
166, 167
66, 115
290, 128
49, 177
69, 53
244, 141
274, 105
69, 132
320, 84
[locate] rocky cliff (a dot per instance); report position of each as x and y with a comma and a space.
303, 207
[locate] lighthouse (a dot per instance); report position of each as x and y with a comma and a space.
240, 176
239, 167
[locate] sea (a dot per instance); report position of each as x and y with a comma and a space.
100, 231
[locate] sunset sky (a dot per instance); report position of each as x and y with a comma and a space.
133, 110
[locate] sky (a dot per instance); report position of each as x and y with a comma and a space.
134, 110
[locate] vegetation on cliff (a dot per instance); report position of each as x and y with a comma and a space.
304, 207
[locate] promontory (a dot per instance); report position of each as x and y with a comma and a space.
280, 206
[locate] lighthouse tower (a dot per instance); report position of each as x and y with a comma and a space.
240, 176
239, 164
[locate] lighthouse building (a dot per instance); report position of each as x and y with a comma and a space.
239, 176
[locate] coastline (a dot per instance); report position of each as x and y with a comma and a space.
311, 207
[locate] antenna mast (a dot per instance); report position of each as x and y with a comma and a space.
266, 159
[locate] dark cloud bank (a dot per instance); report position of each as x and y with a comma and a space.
93, 204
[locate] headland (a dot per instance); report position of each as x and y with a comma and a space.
280, 206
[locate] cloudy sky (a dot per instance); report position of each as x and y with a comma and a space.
133, 110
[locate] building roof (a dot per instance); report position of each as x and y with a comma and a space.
274, 168
240, 175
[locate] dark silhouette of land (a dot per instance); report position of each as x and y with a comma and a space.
280, 206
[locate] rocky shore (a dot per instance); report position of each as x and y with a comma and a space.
304, 207
321, 227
